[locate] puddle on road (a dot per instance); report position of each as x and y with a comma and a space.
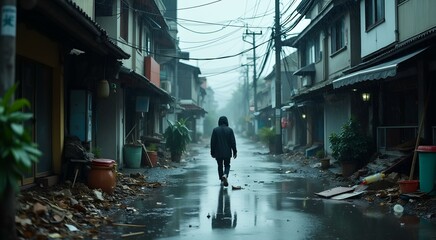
271, 205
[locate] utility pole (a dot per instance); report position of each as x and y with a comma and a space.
253, 35
7, 44
7, 77
246, 95
278, 82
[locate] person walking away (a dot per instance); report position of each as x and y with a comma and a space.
222, 147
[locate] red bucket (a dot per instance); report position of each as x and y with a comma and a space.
408, 186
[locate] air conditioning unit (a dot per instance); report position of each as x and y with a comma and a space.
306, 81
166, 85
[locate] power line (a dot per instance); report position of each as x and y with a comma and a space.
201, 5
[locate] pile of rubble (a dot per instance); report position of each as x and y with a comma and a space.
63, 211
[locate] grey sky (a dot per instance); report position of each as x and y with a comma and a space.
211, 29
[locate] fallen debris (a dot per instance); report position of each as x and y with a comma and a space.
61, 212
334, 191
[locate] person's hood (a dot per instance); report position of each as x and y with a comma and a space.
223, 121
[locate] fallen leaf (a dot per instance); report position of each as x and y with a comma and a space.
98, 195
22, 221
39, 209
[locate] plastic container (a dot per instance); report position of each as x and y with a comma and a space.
373, 178
427, 168
132, 155
102, 175
408, 186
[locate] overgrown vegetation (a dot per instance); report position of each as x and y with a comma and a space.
351, 144
17, 150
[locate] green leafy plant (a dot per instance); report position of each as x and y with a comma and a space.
267, 135
97, 152
351, 144
17, 150
177, 136
320, 154
152, 147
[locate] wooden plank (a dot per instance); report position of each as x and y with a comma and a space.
146, 154
346, 195
128, 225
334, 191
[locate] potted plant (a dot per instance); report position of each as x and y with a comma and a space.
177, 136
322, 156
349, 147
267, 136
152, 154
18, 153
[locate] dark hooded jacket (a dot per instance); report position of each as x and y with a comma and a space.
222, 142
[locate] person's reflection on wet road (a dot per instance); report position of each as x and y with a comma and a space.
223, 217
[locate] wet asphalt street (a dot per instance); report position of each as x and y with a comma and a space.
272, 204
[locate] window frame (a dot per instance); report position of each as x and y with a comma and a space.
312, 51
124, 21
337, 37
374, 13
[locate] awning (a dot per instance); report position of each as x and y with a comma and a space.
138, 81
381, 71
192, 109
306, 70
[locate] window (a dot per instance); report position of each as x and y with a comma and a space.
140, 38
147, 43
124, 22
338, 35
374, 12
312, 51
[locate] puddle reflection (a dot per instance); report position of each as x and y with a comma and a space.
223, 217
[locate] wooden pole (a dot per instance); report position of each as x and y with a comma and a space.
412, 168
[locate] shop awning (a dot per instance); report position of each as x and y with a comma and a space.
306, 70
381, 71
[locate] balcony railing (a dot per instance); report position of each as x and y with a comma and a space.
389, 137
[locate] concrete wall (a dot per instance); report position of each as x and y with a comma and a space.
340, 60
383, 34
337, 111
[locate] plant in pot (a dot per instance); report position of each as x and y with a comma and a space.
152, 154
323, 158
267, 136
18, 153
350, 147
177, 136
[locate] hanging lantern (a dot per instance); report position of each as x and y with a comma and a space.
103, 89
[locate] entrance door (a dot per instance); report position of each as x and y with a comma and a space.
35, 83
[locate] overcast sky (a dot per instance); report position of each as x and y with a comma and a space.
212, 32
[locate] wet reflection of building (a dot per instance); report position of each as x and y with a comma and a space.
223, 217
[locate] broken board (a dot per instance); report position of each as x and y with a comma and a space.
335, 191
346, 195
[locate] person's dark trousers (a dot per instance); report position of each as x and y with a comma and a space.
223, 167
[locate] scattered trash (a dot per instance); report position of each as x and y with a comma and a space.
128, 225
398, 208
98, 195
132, 234
54, 213
373, 178
71, 227
346, 195
334, 191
